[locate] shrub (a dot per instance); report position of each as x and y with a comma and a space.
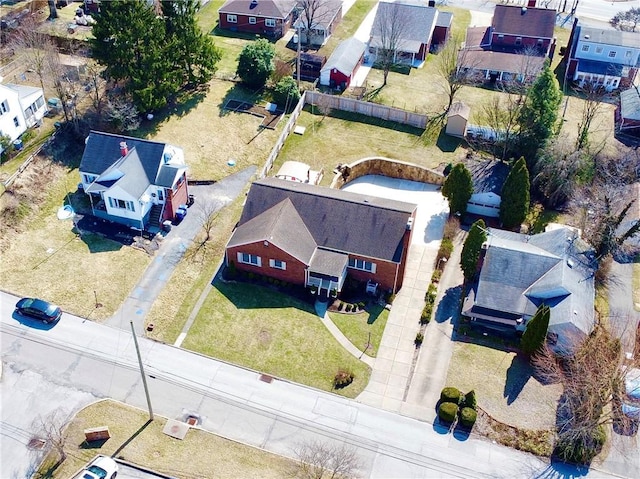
446, 248
450, 394
361, 305
251, 275
342, 379
419, 339
582, 449
340, 306
448, 412
348, 308
435, 277
430, 296
425, 316
451, 228
28, 135
286, 93
470, 400
468, 417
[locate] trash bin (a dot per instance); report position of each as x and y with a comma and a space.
17, 144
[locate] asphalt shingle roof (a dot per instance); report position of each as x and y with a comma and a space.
346, 56
523, 21
609, 37
338, 220
259, 8
329, 263
630, 104
418, 20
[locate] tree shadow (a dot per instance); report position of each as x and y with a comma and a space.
560, 470
518, 374
181, 105
448, 307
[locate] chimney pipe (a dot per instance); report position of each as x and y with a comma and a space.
123, 148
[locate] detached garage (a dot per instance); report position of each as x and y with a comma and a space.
488, 178
343, 64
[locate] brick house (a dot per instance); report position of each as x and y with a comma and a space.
310, 235
131, 181
263, 17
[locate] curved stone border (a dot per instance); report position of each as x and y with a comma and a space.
378, 165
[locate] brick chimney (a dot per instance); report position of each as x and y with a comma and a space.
532, 3
124, 149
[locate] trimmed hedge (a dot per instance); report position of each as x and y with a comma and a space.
470, 400
468, 417
451, 395
447, 412
419, 339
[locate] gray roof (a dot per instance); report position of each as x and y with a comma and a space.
630, 104
329, 263
337, 220
23, 91
609, 37
487, 176
523, 21
280, 225
130, 170
444, 19
520, 272
323, 15
260, 8
102, 154
460, 109
418, 20
346, 56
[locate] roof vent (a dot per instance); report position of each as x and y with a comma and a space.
586, 37
523, 10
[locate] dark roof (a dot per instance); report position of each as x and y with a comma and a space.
487, 176
599, 68
630, 104
337, 220
523, 21
259, 8
346, 56
609, 37
444, 19
324, 14
480, 59
128, 173
418, 18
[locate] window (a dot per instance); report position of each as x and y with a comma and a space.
585, 48
232, 18
362, 265
540, 42
627, 54
518, 41
269, 22
16, 122
121, 204
252, 20
89, 178
612, 54
599, 50
160, 194
247, 258
277, 264
4, 107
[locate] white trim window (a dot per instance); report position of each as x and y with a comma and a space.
232, 18
269, 22
251, 259
278, 264
4, 107
362, 265
121, 204
252, 20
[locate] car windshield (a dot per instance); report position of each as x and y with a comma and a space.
97, 471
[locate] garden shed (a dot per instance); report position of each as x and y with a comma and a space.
343, 64
457, 119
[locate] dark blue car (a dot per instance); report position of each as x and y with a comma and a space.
38, 309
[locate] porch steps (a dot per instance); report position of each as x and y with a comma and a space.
154, 216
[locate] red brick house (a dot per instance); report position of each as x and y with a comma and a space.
516, 27
310, 235
264, 17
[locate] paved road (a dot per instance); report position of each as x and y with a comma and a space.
99, 361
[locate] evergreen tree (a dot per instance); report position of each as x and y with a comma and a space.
458, 188
193, 53
539, 113
472, 248
536, 332
255, 63
286, 93
515, 196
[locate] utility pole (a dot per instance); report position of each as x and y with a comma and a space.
144, 378
298, 55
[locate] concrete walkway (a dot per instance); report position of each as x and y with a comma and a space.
137, 304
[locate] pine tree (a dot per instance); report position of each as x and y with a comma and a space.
515, 196
255, 63
472, 248
536, 332
539, 113
458, 188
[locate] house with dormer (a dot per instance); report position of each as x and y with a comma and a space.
518, 273
131, 181
315, 236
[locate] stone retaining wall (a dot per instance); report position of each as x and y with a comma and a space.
386, 167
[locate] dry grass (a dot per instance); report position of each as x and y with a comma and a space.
42, 255
504, 386
191, 457
636, 283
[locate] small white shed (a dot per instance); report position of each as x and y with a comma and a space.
457, 119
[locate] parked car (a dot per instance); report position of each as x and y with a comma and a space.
102, 467
39, 309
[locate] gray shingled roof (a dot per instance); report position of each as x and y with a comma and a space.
338, 220
523, 21
260, 8
346, 56
609, 37
520, 272
329, 263
418, 18
487, 176
131, 176
23, 91
281, 226
630, 103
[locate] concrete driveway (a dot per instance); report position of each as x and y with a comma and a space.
394, 366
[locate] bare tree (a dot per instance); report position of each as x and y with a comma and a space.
529, 67
388, 33
121, 112
555, 171
593, 96
51, 430
456, 68
323, 104
36, 47
313, 13
318, 460
592, 378
501, 114
96, 85
66, 89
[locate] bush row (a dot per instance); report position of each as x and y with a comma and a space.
454, 404
351, 308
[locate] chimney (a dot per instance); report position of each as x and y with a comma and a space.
123, 148
532, 3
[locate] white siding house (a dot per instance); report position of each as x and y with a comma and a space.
21, 107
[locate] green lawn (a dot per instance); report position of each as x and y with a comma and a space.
273, 333
363, 328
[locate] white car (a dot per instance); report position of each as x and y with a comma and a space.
102, 467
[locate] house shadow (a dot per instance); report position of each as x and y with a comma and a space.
374, 311
447, 143
101, 236
518, 374
448, 306
256, 294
